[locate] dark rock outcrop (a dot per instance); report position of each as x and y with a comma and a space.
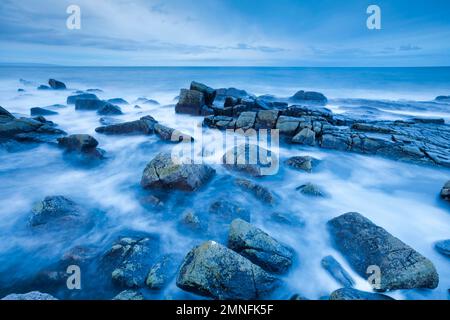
353, 294
305, 163
208, 93
56, 85
443, 247
82, 96
42, 112
190, 102
335, 269
145, 125
365, 244
259, 247
309, 96
83, 144
215, 271
89, 104
109, 109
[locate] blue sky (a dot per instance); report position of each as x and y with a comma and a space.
226, 33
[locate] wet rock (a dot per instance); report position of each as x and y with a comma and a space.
287, 125
288, 219
172, 135
162, 272
81, 143
56, 209
266, 119
109, 109
219, 122
190, 102
56, 85
246, 120
310, 189
262, 105
257, 190
309, 96
34, 295
145, 125
5, 115
94, 90
191, 221
41, 112
117, 101
208, 93
207, 111
368, 127
353, 294
147, 101
335, 269
445, 192
230, 102
443, 98
128, 295
251, 159
215, 271
83, 96
129, 260
43, 87
170, 173
223, 93
89, 104
107, 121
365, 244
305, 163
429, 120
220, 215
306, 136
443, 247
259, 247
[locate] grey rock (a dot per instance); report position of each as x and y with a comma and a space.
34, 295
190, 102
191, 221
109, 109
305, 136
219, 122
220, 215
215, 271
259, 247
163, 172
443, 247
266, 119
223, 93
145, 125
56, 85
305, 163
310, 189
162, 272
41, 112
128, 295
288, 125
15, 126
445, 192
117, 101
335, 269
309, 96
246, 120
89, 104
208, 93
251, 159
257, 190
83, 96
353, 294
172, 135
54, 209
365, 244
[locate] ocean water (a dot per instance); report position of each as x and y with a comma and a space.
402, 198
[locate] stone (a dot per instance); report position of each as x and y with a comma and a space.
172, 135
353, 294
445, 192
34, 295
443, 98
246, 120
365, 244
259, 247
56, 85
305, 163
287, 125
82, 96
190, 102
230, 102
144, 126
83, 144
55, 208
219, 122
266, 119
109, 109
117, 101
223, 93
129, 295
5, 115
305, 136
215, 271
42, 112
170, 173
147, 101
257, 190
251, 159
334, 268
89, 104
309, 96
443, 247
220, 215
43, 87
310, 189
208, 93
162, 272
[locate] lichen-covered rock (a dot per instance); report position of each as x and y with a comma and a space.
306, 136
162, 272
170, 173
445, 192
443, 247
34, 295
251, 159
56, 209
365, 244
208, 93
335, 269
305, 163
190, 102
353, 294
128, 295
259, 247
257, 190
215, 271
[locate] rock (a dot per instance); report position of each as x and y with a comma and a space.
170, 173
130, 259
147, 101
251, 159
43, 87
117, 101
89, 104
208, 93
287, 125
220, 215
83, 96
215, 271
128, 295
353, 294
230, 102
287, 219
162, 272
223, 93
34, 295
259, 247
78, 142
94, 90
246, 120
5, 115
309, 96
443, 98
9, 128
443, 247
365, 244
191, 221
41, 112
429, 120
257, 190
56, 208
20, 90
145, 126
172, 135
56, 85
335, 269
310, 189
262, 105
305, 163
190, 102
109, 109
207, 111
107, 121
305, 136
266, 119
219, 122
445, 192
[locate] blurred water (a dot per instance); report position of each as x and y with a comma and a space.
400, 197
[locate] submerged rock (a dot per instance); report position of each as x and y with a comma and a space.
443, 98
57, 209
305, 163
56, 85
43, 87
335, 269
257, 190
259, 247
221, 213
215, 271
353, 294
170, 173
251, 159
162, 272
83, 96
365, 244
42, 112
310, 189
34, 295
128, 295
445, 192
443, 247
89, 104
117, 101
109, 109
145, 125
190, 102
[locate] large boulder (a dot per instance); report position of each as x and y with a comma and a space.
190, 102
89, 104
34, 295
260, 248
83, 144
145, 125
288, 125
73, 99
246, 120
353, 294
334, 268
309, 96
266, 119
223, 93
170, 173
365, 244
170, 134
443, 247
251, 159
56, 85
109, 109
208, 93
215, 271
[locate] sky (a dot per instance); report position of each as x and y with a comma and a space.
225, 33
